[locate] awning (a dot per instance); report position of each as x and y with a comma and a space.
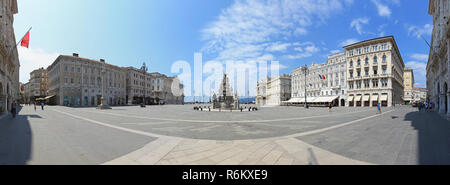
295, 100
326, 99
366, 97
350, 98
358, 98
310, 99
384, 97
48, 97
374, 97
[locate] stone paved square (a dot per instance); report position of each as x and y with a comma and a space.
176, 134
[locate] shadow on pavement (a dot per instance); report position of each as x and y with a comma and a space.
433, 137
15, 139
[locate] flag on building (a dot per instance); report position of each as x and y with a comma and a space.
26, 40
324, 77
320, 76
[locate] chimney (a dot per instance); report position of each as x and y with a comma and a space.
75, 54
102, 60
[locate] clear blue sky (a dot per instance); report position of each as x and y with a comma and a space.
160, 32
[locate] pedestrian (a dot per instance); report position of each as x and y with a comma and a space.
34, 103
379, 108
13, 109
419, 106
42, 105
329, 106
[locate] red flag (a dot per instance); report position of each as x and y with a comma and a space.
324, 77
26, 40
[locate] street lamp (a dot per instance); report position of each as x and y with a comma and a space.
144, 70
104, 104
305, 71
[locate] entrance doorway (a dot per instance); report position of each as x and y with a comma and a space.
342, 103
366, 103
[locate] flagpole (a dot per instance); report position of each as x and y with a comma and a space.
9, 52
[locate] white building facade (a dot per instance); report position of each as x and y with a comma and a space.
324, 83
156, 87
375, 73
409, 85
273, 91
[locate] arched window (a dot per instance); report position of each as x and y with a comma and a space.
384, 58
367, 61
375, 59
359, 62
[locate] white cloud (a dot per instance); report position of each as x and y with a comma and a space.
348, 42
300, 32
357, 24
335, 51
420, 85
383, 10
31, 59
419, 70
381, 30
303, 52
420, 57
418, 32
245, 29
278, 47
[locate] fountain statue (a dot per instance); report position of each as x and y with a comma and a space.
225, 98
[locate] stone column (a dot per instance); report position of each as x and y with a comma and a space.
441, 103
390, 99
3, 106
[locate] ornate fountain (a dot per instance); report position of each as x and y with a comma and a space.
225, 98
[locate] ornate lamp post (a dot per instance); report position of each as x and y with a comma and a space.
144, 70
104, 104
305, 71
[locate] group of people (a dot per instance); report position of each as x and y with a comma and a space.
425, 106
14, 107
